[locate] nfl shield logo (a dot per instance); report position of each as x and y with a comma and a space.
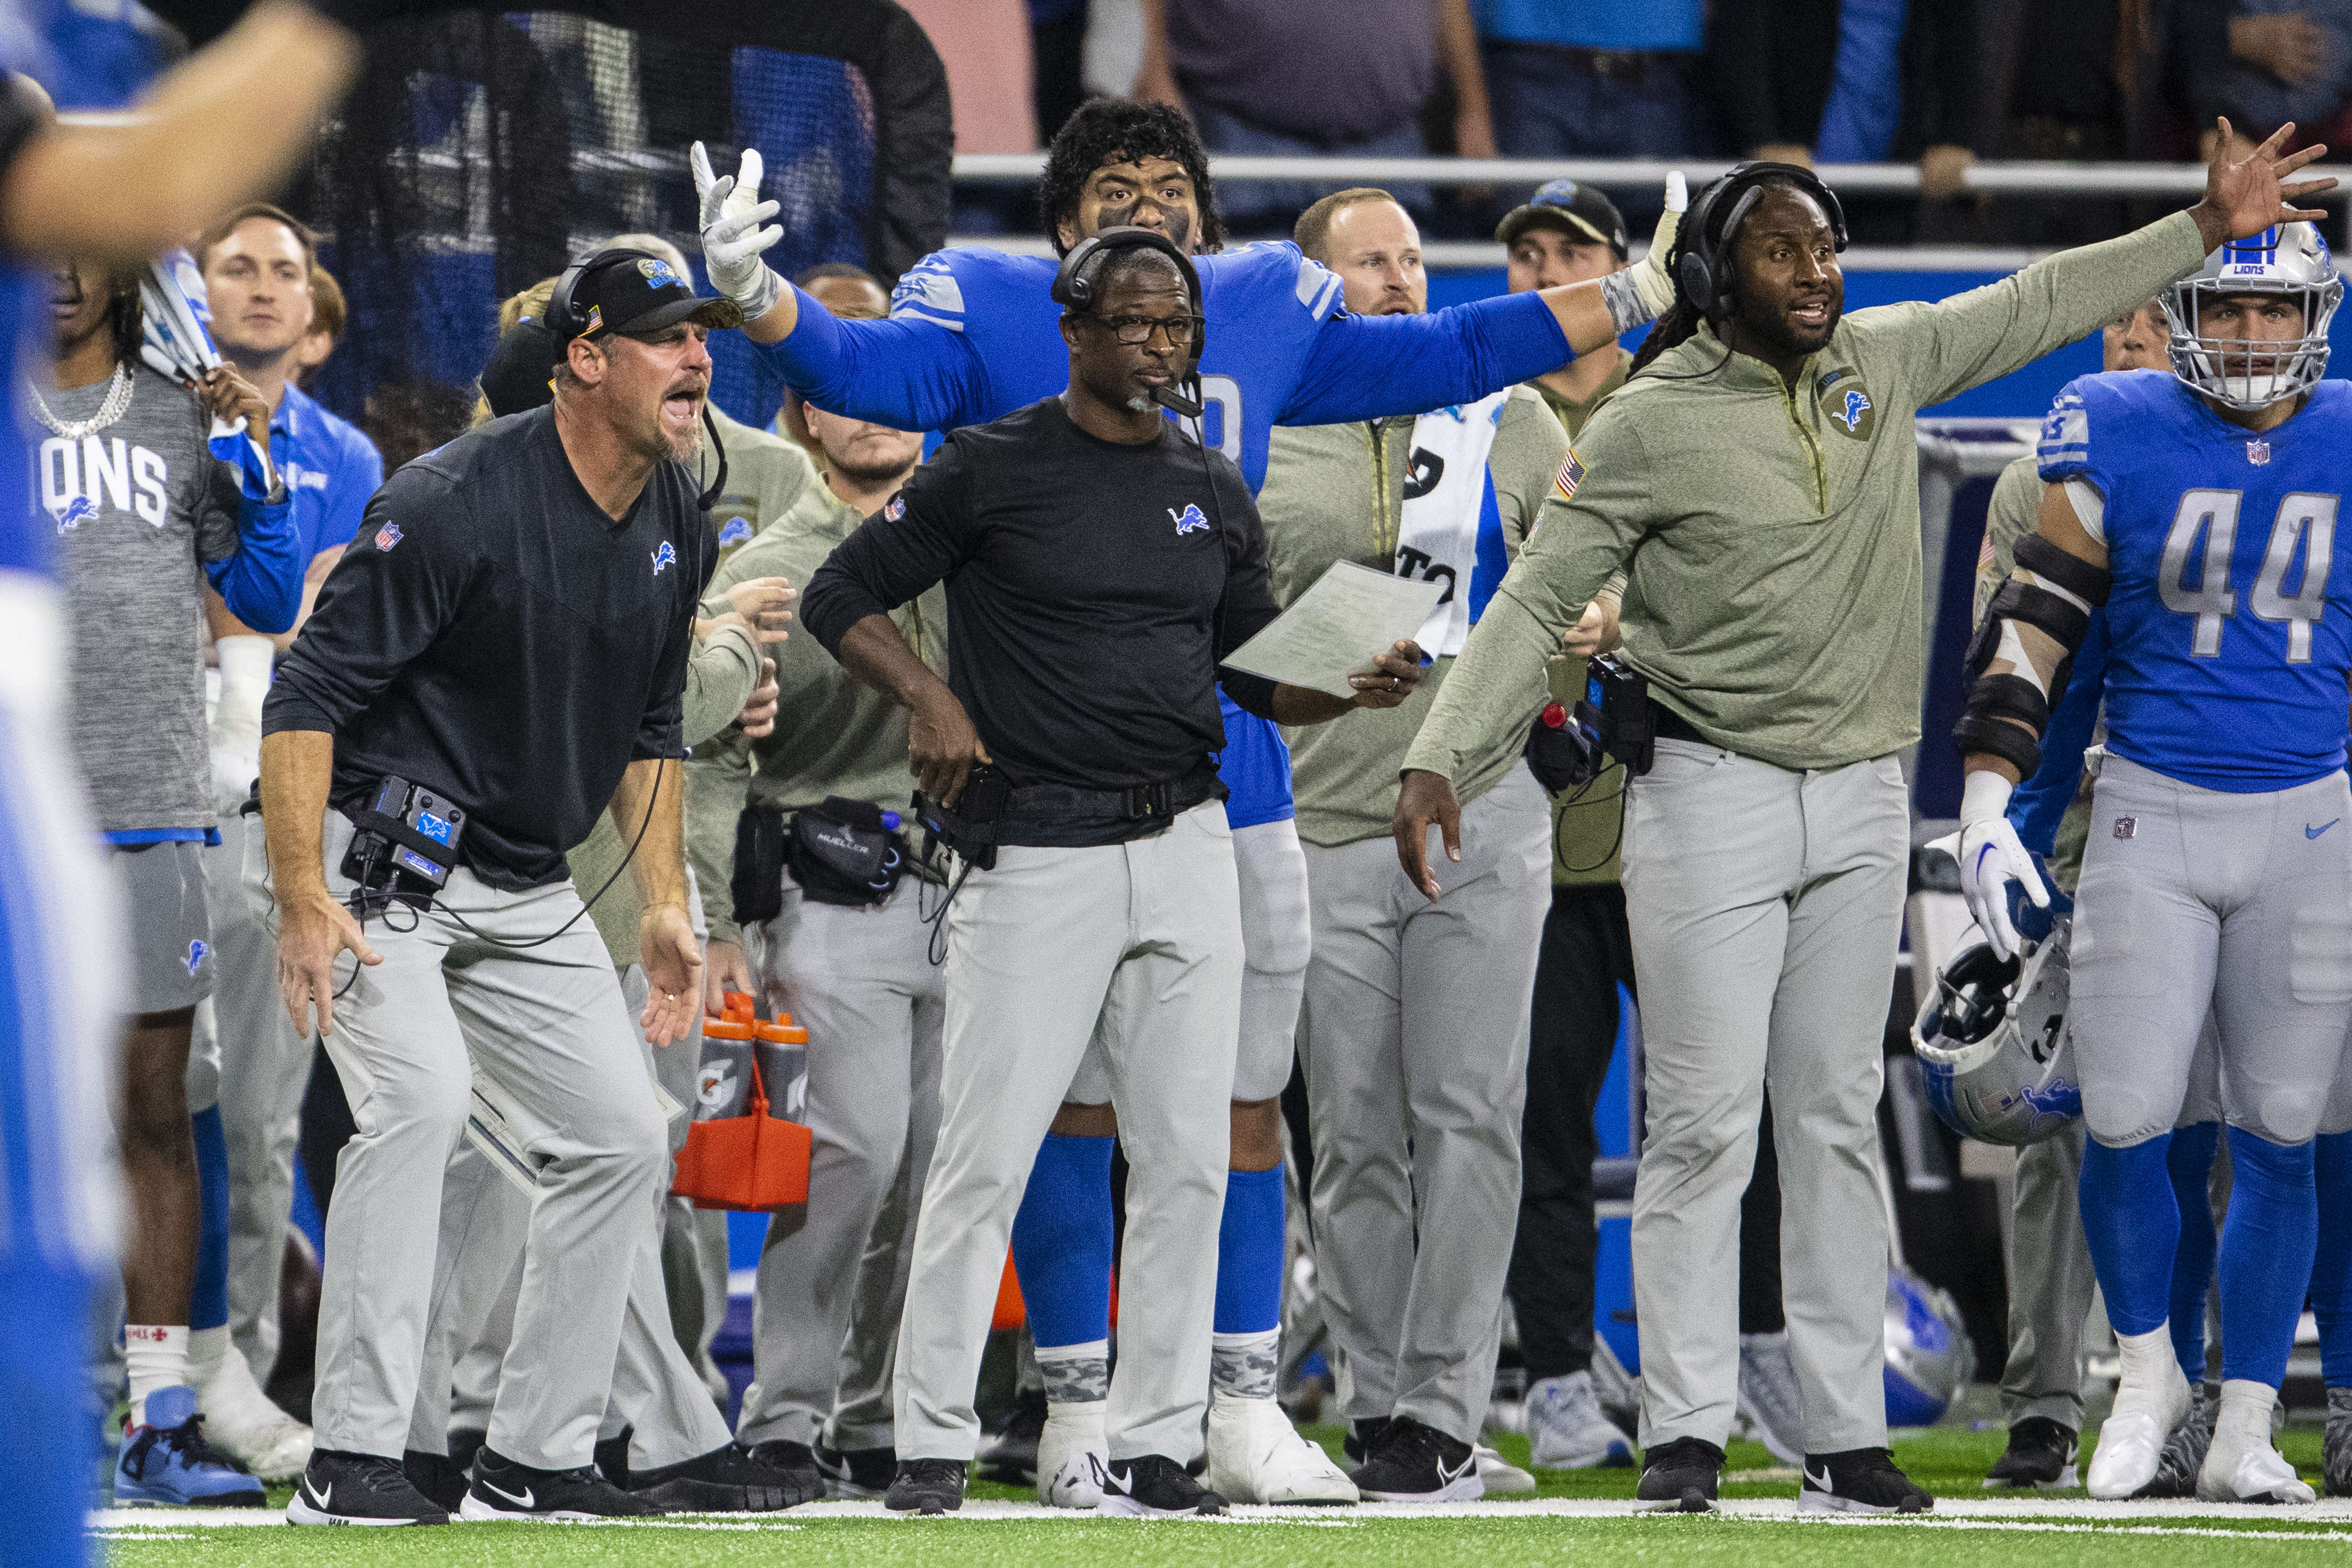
387, 536
2258, 452
2126, 827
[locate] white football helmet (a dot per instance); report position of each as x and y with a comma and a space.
1993, 1045
2286, 259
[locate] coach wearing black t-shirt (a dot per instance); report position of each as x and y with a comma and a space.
1097, 566
509, 630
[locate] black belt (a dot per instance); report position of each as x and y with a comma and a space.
1056, 815
1668, 725
1640, 66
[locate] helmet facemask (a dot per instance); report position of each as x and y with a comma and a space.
2290, 263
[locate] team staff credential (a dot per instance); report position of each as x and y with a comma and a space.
972, 338
511, 632
1097, 566
1774, 608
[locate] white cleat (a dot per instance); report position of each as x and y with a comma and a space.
1071, 1457
1255, 1454
242, 1422
2241, 1465
1502, 1477
2152, 1400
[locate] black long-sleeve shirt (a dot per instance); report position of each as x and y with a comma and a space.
1092, 588
492, 635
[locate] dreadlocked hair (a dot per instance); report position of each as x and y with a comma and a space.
1678, 325
126, 323
1123, 130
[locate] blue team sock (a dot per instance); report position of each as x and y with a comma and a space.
1062, 1242
2133, 1224
2267, 1241
2190, 1163
2331, 1265
1250, 1253
208, 1293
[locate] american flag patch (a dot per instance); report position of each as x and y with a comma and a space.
1570, 475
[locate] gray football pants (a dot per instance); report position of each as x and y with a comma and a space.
1765, 906
658, 1393
546, 1023
2050, 1276
833, 1275
259, 1068
1143, 937
2190, 897
1415, 1036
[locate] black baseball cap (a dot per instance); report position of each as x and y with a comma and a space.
521, 374
636, 291
1582, 212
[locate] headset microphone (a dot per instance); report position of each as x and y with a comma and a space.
1171, 397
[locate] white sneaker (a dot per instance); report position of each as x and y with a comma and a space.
241, 1421
1502, 1477
1768, 1399
2151, 1400
1568, 1429
1071, 1455
2241, 1465
1255, 1454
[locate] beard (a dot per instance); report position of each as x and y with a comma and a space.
864, 475
1775, 332
683, 447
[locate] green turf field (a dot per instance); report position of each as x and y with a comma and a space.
1756, 1529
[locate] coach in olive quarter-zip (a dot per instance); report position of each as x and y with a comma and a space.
1759, 481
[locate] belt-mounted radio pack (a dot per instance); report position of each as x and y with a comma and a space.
970, 826
1568, 748
404, 848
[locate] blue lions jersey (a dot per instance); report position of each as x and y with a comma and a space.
2230, 623
974, 335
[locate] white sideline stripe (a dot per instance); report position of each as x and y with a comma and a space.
2031, 1514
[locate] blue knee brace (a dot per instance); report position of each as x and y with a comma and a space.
1061, 1241
2133, 1224
2267, 1241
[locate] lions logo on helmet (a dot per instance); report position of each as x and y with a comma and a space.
1993, 1045
1930, 1357
2288, 259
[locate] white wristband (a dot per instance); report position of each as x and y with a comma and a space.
1984, 795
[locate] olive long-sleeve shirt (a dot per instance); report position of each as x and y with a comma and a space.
1771, 533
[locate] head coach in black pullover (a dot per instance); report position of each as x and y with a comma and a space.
1097, 565
509, 630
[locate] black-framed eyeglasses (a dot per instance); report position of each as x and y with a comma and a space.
1137, 330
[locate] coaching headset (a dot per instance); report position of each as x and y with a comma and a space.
564, 320
1074, 289
1701, 277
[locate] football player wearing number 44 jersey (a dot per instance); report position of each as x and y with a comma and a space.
972, 337
2202, 508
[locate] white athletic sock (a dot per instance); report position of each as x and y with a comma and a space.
1077, 1378
156, 1356
1243, 1366
2149, 1368
2243, 1421
207, 1349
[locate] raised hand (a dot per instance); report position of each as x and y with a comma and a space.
2245, 197
732, 239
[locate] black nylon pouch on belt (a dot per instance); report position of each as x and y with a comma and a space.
757, 884
841, 853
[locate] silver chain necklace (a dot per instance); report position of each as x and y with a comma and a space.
117, 399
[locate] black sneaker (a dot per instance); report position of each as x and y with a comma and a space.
2040, 1453
439, 1476
856, 1472
1859, 1480
1010, 1458
611, 1458
1412, 1462
1363, 1438
340, 1487
926, 1486
728, 1480
1682, 1474
504, 1489
1154, 1487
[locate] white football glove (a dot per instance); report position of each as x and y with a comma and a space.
1652, 277
1991, 857
732, 237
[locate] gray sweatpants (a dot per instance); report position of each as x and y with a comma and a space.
862, 982
2049, 1261
546, 1023
2190, 897
1144, 937
1765, 906
1415, 1036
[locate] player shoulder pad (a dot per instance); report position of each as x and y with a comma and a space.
2063, 451
1266, 269
943, 286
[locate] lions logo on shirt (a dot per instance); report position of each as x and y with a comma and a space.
196, 953
1190, 522
665, 557
71, 515
735, 533
1848, 405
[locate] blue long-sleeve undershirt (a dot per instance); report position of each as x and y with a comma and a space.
2041, 802
262, 582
